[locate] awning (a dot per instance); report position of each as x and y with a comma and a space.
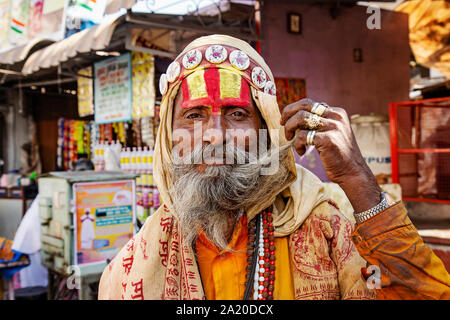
152, 33
20, 53
95, 38
429, 31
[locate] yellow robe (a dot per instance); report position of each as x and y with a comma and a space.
223, 272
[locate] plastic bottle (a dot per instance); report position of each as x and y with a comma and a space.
117, 147
150, 160
139, 200
139, 162
99, 156
105, 146
146, 197
96, 156
127, 159
122, 159
145, 160
103, 153
133, 160
156, 203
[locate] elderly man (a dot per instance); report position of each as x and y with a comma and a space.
241, 224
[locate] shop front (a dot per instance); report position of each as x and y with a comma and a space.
93, 100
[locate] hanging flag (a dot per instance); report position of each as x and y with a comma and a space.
5, 8
87, 4
19, 20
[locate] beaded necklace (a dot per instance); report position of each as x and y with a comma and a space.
260, 276
261, 261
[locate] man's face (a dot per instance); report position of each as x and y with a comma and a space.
208, 117
219, 125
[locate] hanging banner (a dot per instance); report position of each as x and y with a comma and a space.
25, 20
5, 8
112, 87
143, 76
87, 9
289, 90
35, 18
53, 6
83, 14
85, 91
103, 219
52, 24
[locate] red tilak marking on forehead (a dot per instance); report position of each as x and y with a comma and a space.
212, 80
211, 77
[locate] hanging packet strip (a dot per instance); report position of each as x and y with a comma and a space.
143, 87
85, 91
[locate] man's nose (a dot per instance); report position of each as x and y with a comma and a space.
214, 132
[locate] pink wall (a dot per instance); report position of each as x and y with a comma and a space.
323, 55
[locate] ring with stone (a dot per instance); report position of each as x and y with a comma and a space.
310, 137
319, 108
313, 122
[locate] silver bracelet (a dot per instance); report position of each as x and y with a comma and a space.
363, 216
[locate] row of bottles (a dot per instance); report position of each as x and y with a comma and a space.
140, 160
136, 160
100, 150
147, 197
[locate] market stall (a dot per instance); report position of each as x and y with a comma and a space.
93, 99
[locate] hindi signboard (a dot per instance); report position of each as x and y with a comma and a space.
112, 89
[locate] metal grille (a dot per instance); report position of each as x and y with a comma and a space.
420, 147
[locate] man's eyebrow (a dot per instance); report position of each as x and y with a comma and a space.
246, 109
197, 107
184, 110
234, 106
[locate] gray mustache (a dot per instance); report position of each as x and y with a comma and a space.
232, 155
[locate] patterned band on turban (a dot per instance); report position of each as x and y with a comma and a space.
211, 60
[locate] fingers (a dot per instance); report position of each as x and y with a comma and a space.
300, 145
293, 108
306, 105
300, 121
300, 142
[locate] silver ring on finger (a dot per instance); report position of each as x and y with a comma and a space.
319, 108
310, 138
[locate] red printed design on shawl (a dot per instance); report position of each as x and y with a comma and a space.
138, 290
127, 263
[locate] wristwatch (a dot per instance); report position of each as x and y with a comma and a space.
363, 216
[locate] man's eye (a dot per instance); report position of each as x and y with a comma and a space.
238, 114
193, 116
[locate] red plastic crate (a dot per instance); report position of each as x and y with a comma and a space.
420, 137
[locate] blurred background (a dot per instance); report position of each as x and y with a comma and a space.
79, 111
